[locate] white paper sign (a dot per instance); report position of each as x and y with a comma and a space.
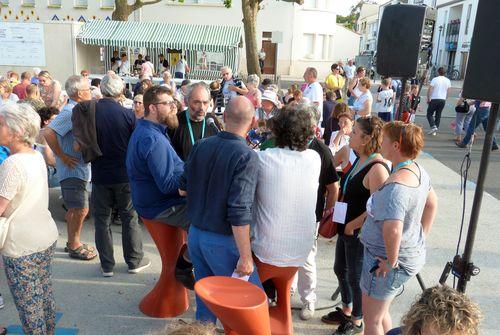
340, 212
22, 44
237, 276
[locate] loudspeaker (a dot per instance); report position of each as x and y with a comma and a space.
404, 40
481, 78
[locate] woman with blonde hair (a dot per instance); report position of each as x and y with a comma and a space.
6, 95
441, 310
50, 89
254, 94
400, 215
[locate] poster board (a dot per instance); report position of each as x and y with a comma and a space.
22, 44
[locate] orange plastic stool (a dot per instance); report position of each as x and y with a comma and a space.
282, 277
168, 298
239, 305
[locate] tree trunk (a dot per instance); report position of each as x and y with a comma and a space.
250, 11
122, 11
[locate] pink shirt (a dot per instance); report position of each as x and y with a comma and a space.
254, 96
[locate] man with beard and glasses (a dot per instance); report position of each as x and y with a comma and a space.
193, 122
154, 169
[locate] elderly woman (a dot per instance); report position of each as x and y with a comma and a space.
284, 208
363, 104
50, 89
139, 106
32, 233
400, 216
364, 177
6, 95
254, 95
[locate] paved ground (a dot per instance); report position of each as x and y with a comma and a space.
94, 305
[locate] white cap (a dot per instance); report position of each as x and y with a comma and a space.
270, 96
36, 71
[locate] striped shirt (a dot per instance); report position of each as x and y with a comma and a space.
285, 205
63, 127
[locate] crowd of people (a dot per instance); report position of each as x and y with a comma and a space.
250, 187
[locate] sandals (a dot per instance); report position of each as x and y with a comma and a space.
82, 253
85, 246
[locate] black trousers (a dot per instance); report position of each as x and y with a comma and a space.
104, 198
434, 111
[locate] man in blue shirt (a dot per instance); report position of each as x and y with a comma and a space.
72, 172
110, 184
154, 169
219, 180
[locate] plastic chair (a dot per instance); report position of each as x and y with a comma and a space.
169, 297
282, 277
239, 305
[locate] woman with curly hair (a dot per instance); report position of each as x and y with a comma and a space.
400, 216
285, 201
441, 310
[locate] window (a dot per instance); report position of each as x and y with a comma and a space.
81, 3
309, 45
28, 3
320, 43
469, 9
4, 2
212, 2
54, 3
107, 3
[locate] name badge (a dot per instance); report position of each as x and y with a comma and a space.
340, 212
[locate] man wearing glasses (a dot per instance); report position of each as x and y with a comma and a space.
231, 86
193, 124
154, 169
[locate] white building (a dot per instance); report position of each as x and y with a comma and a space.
453, 33
367, 26
293, 36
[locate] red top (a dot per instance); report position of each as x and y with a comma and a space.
20, 90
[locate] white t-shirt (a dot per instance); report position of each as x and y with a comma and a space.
349, 71
359, 103
124, 67
440, 85
23, 181
344, 140
285, 205
385, 103
180, 66
314, 92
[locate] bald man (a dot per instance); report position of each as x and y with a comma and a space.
219, 181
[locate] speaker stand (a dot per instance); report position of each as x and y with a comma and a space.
398, 115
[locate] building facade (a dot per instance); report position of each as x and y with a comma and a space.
367, 27
453, 33
293, 36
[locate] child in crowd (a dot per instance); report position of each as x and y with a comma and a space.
414, 102
404, 113
385, 100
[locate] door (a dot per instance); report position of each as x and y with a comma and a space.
270, 61
463, 64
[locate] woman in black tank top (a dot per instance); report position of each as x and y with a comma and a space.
365, 176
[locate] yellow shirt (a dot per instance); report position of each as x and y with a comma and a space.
333, 81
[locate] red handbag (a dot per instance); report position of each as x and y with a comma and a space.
327, 228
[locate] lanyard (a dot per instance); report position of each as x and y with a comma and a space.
402, 165
191, 128
354, 169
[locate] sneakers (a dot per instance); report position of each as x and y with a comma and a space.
335, 317
433, 131
460, 145
144, 264
186, 277
107, 274
349, 328
1, 302
307, 311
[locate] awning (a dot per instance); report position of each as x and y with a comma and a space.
161, 35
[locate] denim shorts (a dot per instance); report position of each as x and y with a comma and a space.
74, 193
381, 288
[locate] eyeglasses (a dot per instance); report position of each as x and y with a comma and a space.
137, 102
166, 103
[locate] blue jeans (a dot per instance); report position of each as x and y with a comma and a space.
480, 117
213, 254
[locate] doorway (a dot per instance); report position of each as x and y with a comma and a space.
463, 64
270, 49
